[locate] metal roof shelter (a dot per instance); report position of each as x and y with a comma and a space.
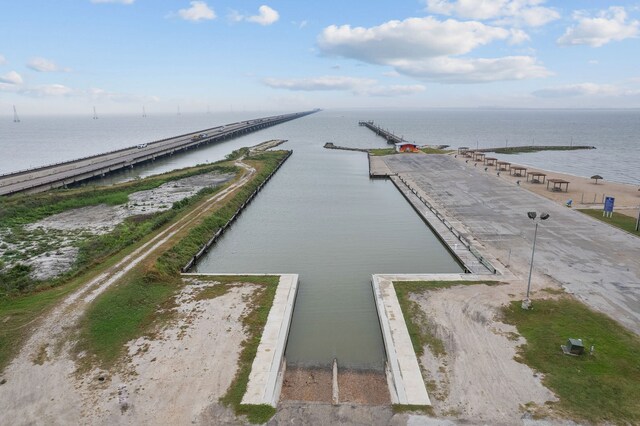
503, 165
490, 161
557, 184
535, 177
462, 150
479, 156
518, 171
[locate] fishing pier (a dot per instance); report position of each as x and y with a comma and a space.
391, 137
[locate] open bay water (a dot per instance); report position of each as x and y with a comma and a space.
321, 216
38, 141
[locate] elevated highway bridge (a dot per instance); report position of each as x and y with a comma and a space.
69, 172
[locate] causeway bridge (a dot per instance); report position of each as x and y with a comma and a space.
391, 137
59, 175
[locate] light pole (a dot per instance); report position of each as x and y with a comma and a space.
526, 303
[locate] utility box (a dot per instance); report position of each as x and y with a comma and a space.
573, 347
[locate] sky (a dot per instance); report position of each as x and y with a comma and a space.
67, 56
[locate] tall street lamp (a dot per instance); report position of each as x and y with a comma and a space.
526, 303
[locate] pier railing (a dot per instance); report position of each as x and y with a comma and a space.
463, 240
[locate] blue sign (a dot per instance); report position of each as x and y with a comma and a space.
608, 204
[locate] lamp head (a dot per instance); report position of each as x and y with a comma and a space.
532, 215
544, 216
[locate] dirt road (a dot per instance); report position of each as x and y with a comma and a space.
41, 386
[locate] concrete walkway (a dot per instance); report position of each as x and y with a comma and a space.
265, 379
406, 385
599, 264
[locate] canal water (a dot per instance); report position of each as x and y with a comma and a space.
323, 218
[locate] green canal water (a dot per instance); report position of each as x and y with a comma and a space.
324, 219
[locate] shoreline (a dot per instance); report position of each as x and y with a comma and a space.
582, 190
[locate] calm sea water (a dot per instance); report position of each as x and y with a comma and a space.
37, 141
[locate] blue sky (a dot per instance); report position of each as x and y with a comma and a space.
66, 56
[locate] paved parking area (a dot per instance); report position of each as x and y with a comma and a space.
597, 263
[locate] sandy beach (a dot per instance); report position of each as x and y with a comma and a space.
584, 192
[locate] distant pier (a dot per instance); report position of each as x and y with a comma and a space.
69, 172
391, 137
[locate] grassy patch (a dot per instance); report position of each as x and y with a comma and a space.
602, 388
422, 409
28, 208
525, 149
93, 249
253, 322
18, 314
212, 292
419, 330
436, 151
382, 151
125, 312
624, 222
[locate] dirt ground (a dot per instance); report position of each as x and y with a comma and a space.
187, 366
363, 387
307, 384
582, 191
478, 379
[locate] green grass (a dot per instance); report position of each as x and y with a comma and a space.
17, 314
602, 388
618, 220
125, 312
104, 331
382, 151
408, 408
28, 208
93, 249
526, 149
436, 151
253, 322
419, 330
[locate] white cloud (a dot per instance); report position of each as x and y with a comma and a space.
583, 89
265, 16
199, 11
424, 48
318, 83
518, 36
609, 25
481, 70
45, 65
393, 90
101, 94
48, 90
12, 78
514, 12
393, 74
2, 60
113, 1
413, 37
357, 86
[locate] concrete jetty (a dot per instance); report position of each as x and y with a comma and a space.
66, 173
